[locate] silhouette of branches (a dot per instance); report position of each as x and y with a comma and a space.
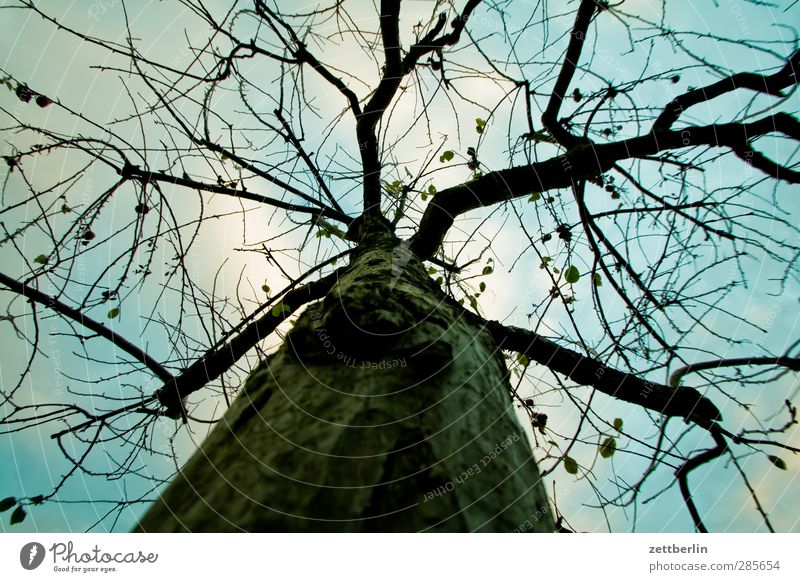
633, 180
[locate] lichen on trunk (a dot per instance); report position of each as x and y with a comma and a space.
385, 410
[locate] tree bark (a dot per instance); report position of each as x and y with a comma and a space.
383, 411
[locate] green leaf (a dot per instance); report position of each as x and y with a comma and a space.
424, 197
41, 259
393, 189
535, 197
431, 270
114, 313
482, 286
618, 424
523, 359
607, 447
7, 503
777, 461
598, 280
280, 309
328, 230
473, 301
37, 499
572, 275
570, 466
265, 288
480, 122
538, 136
439, 280
487, 270
446, 156
18, 516
431, 189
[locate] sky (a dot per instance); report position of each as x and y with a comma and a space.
58, 65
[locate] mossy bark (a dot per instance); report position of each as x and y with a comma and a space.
385, 410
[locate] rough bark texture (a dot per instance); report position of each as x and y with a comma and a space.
384, 411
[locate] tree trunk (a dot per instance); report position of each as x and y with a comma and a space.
385, 410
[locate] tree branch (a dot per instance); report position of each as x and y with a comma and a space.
784, 361
373, 111
682, 475
550, 116
430, 43
684, 402
218, 149
172, 394
291, 137
87, 322
135, 172
302, 55
770, 84
395, 68
588, 160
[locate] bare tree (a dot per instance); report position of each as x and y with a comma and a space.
362, 242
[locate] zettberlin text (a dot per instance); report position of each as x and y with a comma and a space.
673, 549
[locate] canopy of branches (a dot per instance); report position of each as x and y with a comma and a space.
616, 180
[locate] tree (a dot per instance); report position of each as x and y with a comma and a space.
323, 200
